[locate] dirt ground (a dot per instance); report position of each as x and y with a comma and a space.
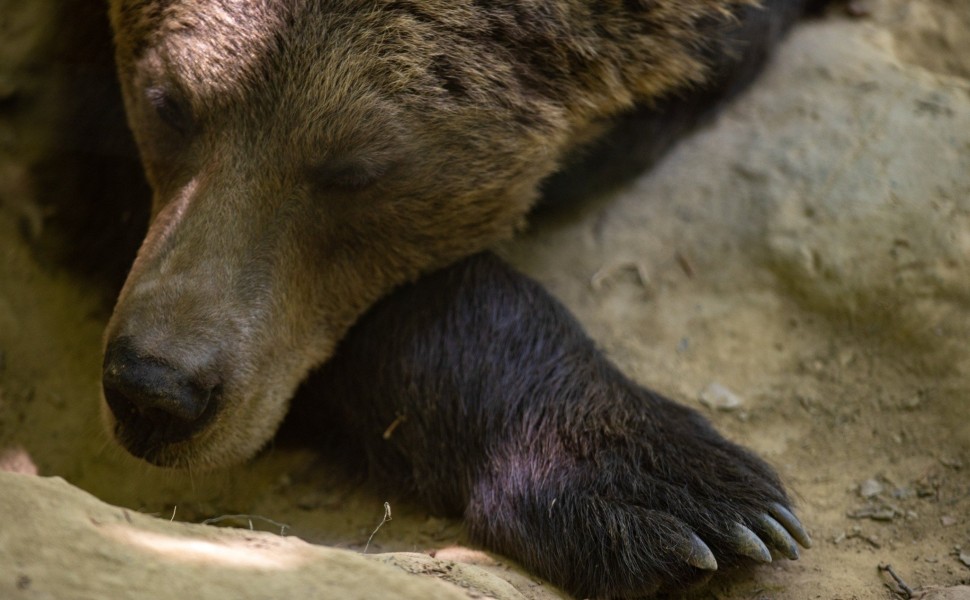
799, 271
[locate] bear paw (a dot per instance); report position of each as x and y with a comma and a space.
632, 499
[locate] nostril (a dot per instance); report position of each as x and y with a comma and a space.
155, 387
151, 398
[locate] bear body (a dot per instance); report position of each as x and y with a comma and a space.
307, 158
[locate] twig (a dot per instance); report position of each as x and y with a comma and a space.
387, 517
904, 590
394, 425
283, 526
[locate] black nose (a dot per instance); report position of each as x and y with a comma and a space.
153, 402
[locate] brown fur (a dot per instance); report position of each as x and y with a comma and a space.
307, 157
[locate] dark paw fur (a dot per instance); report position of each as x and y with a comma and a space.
507, 413
657, 501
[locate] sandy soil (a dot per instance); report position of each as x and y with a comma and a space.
809, 252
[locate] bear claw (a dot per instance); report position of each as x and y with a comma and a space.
791, 523
750, 545
699, 554
778, 537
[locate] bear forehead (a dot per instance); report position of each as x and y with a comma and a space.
207, 46
220, 51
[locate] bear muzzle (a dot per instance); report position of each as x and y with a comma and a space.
154, 403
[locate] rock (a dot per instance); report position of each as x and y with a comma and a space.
65, 543
858, 230
958, 592
463, 575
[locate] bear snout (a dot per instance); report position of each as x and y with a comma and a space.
154, 403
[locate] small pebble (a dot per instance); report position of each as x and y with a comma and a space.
870, 488
718, 397
947, 520
902, 493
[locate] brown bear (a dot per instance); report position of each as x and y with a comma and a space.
307, 158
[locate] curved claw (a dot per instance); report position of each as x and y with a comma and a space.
778, 537
748, 544
698, 554
791, 523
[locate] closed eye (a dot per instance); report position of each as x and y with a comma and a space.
171, 110
349, 176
